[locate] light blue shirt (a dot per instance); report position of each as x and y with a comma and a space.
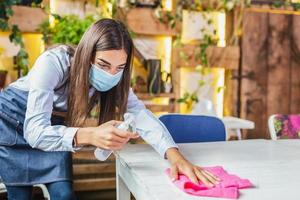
43, 82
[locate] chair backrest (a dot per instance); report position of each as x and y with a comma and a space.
194, 128
284, 126
2, 187
271, 125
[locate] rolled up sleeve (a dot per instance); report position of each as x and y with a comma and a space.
149, 127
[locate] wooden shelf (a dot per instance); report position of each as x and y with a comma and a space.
144, 96
143, 21
224, 57
95, 184
268, 9
28, 18
160, 108
94, 168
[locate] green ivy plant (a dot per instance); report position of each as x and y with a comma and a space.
66, 30
70, 28
286, 4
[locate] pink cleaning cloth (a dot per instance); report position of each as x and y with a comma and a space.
227, 188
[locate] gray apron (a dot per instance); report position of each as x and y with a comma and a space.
20, 164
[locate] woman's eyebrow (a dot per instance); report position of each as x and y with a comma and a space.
109, 63
121, 65
104, 61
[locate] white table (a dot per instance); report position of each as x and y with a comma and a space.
272, 166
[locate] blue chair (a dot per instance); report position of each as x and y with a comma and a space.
194, 128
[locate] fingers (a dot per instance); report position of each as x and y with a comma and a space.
125, 134
209, 178
174, 173
211, 175
206, 177
203, 178
113, 145
192, 176
119, 132
115, 138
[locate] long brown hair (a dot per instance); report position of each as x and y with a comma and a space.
105, 34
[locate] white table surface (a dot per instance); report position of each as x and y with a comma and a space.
272, 166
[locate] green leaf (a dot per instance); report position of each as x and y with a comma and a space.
201, 83
219, 89
194, 97
181, 100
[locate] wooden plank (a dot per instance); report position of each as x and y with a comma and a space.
160, 108
151, 96
231, 94
254, 70
87, 154
94, 184
267, 9
224, 57
278, 96
27, 18
229, 29
143, 21
190, 60
94, 168
295, 66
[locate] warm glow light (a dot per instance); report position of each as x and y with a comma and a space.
195, 26
213, 78
167, 5
34, 46
110, 9
166, 62
52, 4
221, 21
219, 97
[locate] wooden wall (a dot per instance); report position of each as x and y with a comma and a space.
270, 75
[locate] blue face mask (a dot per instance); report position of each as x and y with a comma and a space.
102, 80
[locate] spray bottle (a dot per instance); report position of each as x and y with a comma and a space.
127, 125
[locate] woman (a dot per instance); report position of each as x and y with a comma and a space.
35, 146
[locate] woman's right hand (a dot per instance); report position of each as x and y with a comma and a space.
106, 136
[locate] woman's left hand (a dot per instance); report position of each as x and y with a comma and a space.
195, 173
